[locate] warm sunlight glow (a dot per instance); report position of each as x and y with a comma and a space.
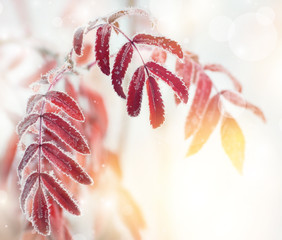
141, 119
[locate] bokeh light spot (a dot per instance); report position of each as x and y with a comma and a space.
251, 40
265, 15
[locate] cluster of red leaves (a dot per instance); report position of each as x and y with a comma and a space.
206, 110
94, 129
148, 73
54, 121
54, 138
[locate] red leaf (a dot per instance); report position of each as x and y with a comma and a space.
85, 55
78, 40
97, 112
219, 68
186, 70
67, 234
132, 11
208, 124
66, 164
122, 61
32, 101
172, 80
28, 155
29, 184
40, 213
238, 100
199, 104
57, 220
155, 103
59, 194
159, 56
190, 69
26, 123
58, 223
162, 42
102, 48
67, 132
70, 89
66, 103
135, 92
49, 136
197, 72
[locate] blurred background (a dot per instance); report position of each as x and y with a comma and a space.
196, 198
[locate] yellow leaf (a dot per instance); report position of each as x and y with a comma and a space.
233, 142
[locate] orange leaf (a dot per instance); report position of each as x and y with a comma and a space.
207, 125
130, 213
233, 142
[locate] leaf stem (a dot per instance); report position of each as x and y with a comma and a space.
52, 84
134, 45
